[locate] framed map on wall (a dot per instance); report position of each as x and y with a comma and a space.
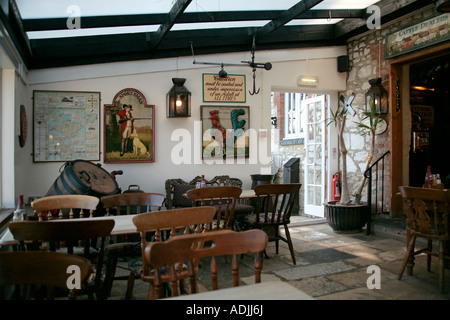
66, 126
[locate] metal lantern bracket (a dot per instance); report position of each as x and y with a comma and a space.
252, 64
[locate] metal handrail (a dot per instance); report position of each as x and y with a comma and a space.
368, 175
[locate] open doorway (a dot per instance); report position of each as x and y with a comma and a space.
430, 111
299, 131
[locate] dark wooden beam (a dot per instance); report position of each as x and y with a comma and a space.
285, 17
389, 12
176, 10
12, 23
186, 17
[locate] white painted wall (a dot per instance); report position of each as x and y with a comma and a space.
153, 79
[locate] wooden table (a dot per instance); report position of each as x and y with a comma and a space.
123, 225
270, 290
247, 194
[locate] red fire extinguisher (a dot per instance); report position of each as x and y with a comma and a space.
336, 186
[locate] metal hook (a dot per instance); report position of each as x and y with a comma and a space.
254, 85
254, 69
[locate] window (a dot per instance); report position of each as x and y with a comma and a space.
293, 115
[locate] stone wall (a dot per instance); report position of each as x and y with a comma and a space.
367, 61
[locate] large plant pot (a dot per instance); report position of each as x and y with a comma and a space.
346, 219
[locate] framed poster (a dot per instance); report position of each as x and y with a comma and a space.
229, 89
129, 128
419, 35
66, 126
224, 131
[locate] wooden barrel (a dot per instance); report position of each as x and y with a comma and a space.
84, 177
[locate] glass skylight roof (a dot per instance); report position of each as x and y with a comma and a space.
47, 9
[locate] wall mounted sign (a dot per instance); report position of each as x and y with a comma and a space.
229, 89
129, 128
418, 36
224, 131
66, 126
23, 126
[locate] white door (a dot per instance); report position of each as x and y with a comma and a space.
314, 170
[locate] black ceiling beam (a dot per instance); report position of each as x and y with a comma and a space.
285, 17
345, 31
159, 54
176, 10
100, 49
186, 17
12, 23
135, 42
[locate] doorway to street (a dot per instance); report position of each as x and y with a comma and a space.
298, 131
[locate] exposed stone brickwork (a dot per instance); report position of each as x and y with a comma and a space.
367, 61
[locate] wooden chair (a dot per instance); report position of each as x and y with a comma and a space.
42, 268
427, 213
66, 235
174, 222
132, 203
273, 209
65, 206
191, 248
127, 248
222, 198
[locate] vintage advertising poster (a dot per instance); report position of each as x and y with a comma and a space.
229, 89
129, 128
419, 35
224, 131
66, 126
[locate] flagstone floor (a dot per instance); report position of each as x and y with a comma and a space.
332, 266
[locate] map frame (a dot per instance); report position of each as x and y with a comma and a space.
81, 108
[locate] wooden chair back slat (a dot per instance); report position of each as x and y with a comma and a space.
224, 198
276, 202
41, 268
427, 215
185, 221
192, 248
426, 210
139, 201
70, 233
46, 206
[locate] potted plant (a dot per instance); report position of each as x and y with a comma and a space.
350, 215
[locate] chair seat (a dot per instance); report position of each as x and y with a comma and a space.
136, 266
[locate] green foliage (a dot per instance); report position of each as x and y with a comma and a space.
373, 116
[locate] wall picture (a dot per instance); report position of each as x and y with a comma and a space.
224, 131
129, 128
66, 126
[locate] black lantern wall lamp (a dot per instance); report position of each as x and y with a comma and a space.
379, 96
178, 100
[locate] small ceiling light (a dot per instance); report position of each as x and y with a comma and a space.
178, 100
443, 6
311, 81
379, 95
